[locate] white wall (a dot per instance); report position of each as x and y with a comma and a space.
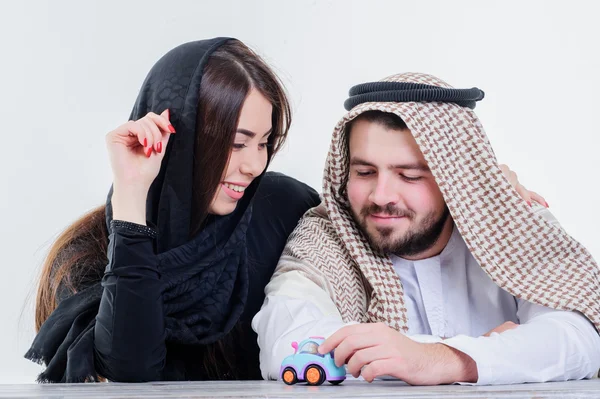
70, 72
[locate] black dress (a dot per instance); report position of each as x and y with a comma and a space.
130, 337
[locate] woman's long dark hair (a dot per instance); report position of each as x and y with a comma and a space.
78, 257
231, 72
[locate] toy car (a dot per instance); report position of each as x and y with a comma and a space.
308, 365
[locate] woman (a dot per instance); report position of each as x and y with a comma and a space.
162, 283
187, 264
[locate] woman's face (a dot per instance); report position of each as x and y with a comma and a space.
249, 154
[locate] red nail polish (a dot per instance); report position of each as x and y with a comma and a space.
145, 142
171, 129
547, 206
159, 147
529, 203
149, 152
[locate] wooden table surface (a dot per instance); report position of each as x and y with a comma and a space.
272, 389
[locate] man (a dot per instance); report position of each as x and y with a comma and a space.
423, 263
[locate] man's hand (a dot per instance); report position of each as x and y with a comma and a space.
375, 350
508, 325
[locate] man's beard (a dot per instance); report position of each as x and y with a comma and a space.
416, 240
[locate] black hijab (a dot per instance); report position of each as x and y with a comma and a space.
206, 277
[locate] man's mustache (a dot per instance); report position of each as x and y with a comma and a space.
387, 210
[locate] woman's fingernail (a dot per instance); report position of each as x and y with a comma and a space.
547, 206
171, 129
159, 147
529, 203
145, 142
149, 152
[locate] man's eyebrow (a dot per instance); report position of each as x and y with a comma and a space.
414, 166
251, 134
355, 161
360, 162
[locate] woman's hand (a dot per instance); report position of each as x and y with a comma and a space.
527, 195
136, 150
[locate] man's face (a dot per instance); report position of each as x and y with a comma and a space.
393, 195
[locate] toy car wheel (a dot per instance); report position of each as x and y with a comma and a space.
336, 382
289, 376
314, 375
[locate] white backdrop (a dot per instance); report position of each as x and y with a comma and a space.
70, 72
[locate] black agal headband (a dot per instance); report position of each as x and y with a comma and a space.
409, 92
